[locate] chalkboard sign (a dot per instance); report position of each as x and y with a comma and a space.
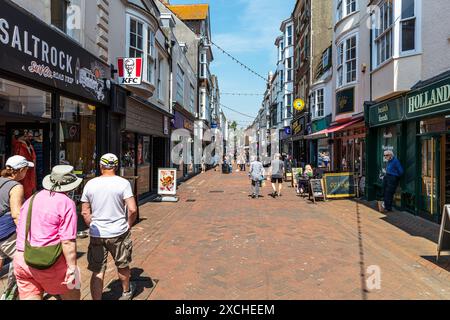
316, 189
444, 233
340, 185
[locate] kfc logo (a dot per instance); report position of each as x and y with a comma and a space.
130, 70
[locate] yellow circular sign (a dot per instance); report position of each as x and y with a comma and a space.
299, 104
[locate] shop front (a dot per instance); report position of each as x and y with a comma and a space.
184, 120
299, 151
285, 135
53, 97
319, 145
416, 127
144, 145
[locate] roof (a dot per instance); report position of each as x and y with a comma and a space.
190, 11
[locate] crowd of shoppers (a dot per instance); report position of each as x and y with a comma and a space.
39, 232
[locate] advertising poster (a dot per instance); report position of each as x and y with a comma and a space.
167, 181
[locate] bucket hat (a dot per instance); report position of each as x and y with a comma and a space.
61, 179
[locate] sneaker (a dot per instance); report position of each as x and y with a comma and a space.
130, 294
253, 196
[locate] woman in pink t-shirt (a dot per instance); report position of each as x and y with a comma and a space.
53, 221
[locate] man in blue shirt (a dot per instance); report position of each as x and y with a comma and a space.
394, 171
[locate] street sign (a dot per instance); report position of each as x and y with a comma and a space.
130, 70
444, 232
299, 104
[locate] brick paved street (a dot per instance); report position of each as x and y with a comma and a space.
225, 245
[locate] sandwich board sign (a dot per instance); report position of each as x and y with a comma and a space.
130, 70
316, 189
444, 232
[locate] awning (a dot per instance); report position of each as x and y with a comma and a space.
326, 132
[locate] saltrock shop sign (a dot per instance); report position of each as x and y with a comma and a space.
32, 49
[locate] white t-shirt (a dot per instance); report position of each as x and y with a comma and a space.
106, 196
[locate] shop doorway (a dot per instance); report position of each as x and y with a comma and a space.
430, 177
159, 158
25, 138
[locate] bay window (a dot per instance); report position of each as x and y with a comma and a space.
289, 69
316, 104
289, 36
408, 25
319, 103
346, 61
288, 105
344, 8
141, 44
136, 47
180, 86
150, 55
191, 98
384, 32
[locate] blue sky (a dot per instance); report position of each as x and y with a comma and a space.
246, 29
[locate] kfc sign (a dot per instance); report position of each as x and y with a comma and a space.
130, 70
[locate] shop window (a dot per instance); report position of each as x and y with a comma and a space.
24, 100
128, 155
78, 136
144, 165
387, 140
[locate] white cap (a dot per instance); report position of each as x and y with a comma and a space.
109, 160
18, 162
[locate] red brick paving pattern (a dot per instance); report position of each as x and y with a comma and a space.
226, 245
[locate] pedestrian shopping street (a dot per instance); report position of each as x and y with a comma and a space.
218, 243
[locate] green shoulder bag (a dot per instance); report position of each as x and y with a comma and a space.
39, 257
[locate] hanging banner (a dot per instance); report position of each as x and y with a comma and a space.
130, 70
167, 181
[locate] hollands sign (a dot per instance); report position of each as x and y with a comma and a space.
32, 49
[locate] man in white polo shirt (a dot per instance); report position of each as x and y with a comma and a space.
105, 202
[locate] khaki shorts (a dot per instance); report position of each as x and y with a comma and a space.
8, 247
120, 247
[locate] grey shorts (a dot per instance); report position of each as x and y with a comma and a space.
120, 247
8, 247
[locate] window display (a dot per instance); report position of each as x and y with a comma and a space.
78, 136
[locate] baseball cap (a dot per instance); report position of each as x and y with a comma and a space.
109, 160
18, 162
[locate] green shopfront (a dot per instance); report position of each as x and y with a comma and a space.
416, 127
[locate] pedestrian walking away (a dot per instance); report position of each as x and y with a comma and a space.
276, 175
394, 171
105, 201
256, 174
46, 256
11, 199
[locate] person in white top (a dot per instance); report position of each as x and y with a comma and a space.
105, 202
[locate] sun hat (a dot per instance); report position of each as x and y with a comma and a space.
61, 179
18, 162
109, 160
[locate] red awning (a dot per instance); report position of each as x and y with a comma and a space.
326, 132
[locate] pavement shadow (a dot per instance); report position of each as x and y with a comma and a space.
113, 290
409, 223
443, 263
